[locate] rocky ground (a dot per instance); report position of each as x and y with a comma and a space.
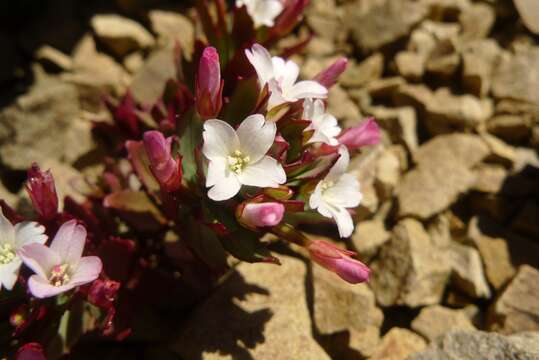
450, 218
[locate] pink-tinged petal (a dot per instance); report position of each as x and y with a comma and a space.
41, 288
260, 58
209, 86
343, 219
88, 270
366, 133
29, 232
69, 242
263, 214
39, 258
328, 77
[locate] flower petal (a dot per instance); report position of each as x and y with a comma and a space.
69, 242
39, 258
7, 231
260, 58
342, 217
89, 269
41, 288
340, 166
265, 173
217, 169
345, 192
226, 188
9, 273
289, 75
256, 136
265, 12
306, 89
29, 232
220, 139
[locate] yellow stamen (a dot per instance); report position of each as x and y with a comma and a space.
237, 161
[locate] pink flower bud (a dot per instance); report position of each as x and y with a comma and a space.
42, 192
166, 170
30, 351
328, 77
288, 18
102, 293
209, 86
338, 261
366, 133
262, 214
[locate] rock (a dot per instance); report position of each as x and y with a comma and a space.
512, 128
444, 60
439, 230
340, 308
384, 87
526, 220
499, 151
479, 58
517, 308
436, 320
133, 62
529, 13
44, 124
517, 76
171, 27
401, 123
388, 172
259, 312
342, 107
121, 35
53, 59
477, 21
409, 269
467, 271
490, 178
368, 237
535, 137
357, 75
384, 23
323, 17
398, 344
410, 65
480, 345
149, 82
442, 174
417, 96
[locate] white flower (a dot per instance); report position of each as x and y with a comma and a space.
238, 157
263, 12
337, 192
12, 239
281, 77
324, 124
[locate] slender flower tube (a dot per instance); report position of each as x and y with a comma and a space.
366, 133
281, 77
262, 214
238, 157
328, 77
338, 261
263, 12
167, 170
12, 239
60, 267
337, 192
42, 192
209, 86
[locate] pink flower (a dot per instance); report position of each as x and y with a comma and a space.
338, 261
262, 214
366, 133
30, 351
209, 86
42, 192
60, 267
328, 77
289, 17
167, 171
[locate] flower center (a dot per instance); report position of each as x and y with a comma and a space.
327, 184
7, 254
59, 275
237, 161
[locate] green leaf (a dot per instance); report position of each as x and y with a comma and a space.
245, 245
243, 101
136, 208
292, 132
206, 244
190, 139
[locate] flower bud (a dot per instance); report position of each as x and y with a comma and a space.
30, 351
209, 86
338, 261
288, 18
102, 293
328, 77
366, 133
42, 192
166, 170
262, 214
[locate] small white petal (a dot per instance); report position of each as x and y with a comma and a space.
261, 60
9, 273
340, 166
265, 173
345, 193
306, 89
29, 232
265, 12
344, 221
256, 136
217, 170
7, 231
220, 139
226, 188
289, 75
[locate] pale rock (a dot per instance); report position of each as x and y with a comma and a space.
437, 320
444, 60
121, 35
479, 58
480, 345
321, 47
340, 308
535, 137
410, 65
467, 271
417, 96
171, 27
342, 107
388, 172
53, 59
517, 308
133, 62
500, 151
260, 311
439, 230
529, 13
368, 238
477, 21
398, 344
357, 75
409, 269
512, 128
384, 87
149, 82
313, 65
490, 178
401, 124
